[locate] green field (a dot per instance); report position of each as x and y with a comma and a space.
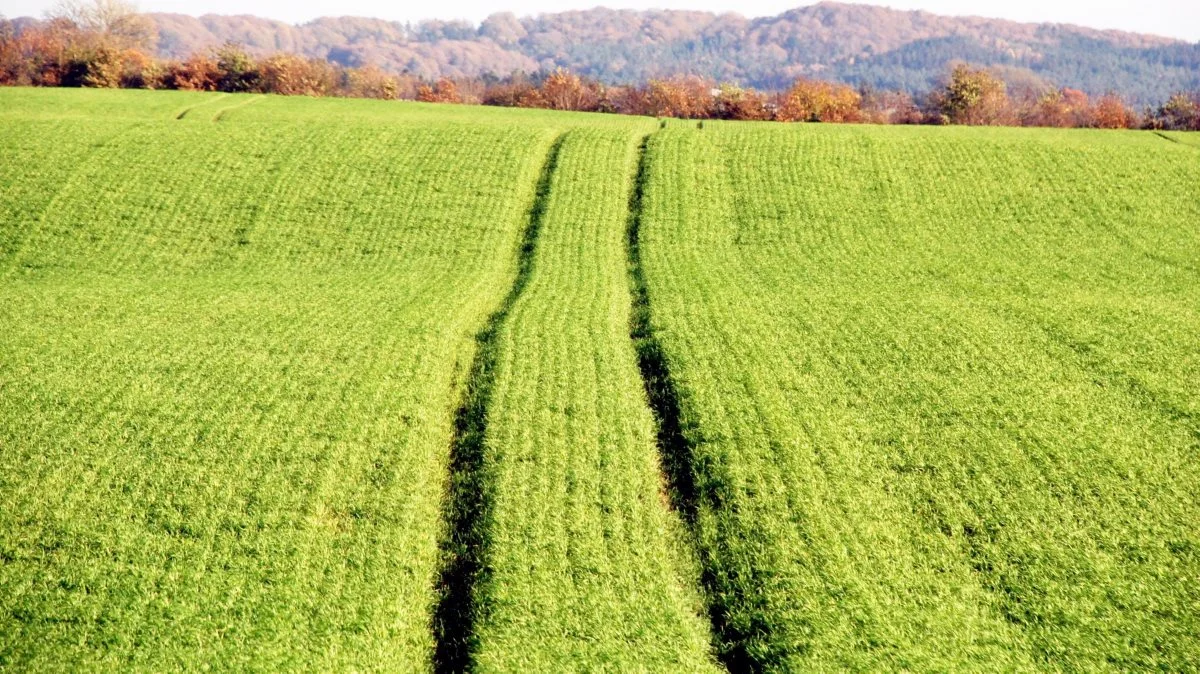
360, 385
942, 388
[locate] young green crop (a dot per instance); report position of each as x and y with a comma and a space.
227, 375
587, 564
925, 397
940, 389
102, 105
1182, 137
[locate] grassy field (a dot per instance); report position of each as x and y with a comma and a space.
940, 390
362, 385
588, 562
1182, 137
230, 361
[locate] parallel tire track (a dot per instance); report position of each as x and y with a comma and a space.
468, 514
186, 111
673, 444
251, 100
675, 436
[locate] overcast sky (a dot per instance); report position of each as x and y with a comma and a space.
1176, 18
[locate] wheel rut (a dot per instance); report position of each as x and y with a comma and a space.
468, 515
677, 438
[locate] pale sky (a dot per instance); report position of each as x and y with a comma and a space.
1174, 18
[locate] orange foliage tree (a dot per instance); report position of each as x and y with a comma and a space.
371, 82
442, 91
139, 70
292, 75
39, 56
817, 101
1110, 112
734, 102
198, 73
1062, 108
563, 90
687, 97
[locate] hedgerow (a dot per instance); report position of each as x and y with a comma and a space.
67, 52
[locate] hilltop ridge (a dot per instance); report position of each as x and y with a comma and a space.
883, 47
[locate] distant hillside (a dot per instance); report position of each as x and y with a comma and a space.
854, 43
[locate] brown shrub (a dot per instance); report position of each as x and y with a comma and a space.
734, 102
509, 94
1180, 113
688, 97
563, 90
1110, 112
371, 82
442, 91
817, 101
198, 73
291, 75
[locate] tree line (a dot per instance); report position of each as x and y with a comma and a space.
105, 43
891, 49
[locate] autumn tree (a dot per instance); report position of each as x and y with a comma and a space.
1180, 113
682, 97
564, 90
292, 75
92, 43
197, 73
39, 55
140, 70
371, 82
734, 102
974, 96
1062, 108
442, 91
817, 101
1110, 112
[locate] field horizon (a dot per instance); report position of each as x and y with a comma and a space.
333, 384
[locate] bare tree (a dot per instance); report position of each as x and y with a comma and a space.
116, 23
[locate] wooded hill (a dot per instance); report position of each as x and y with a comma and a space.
857, 44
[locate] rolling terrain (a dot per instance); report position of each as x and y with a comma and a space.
360, 385
940, 404
183, 295
856, 44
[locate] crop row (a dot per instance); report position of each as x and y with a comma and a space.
909, 398
939, 391
586, 561
229, 360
